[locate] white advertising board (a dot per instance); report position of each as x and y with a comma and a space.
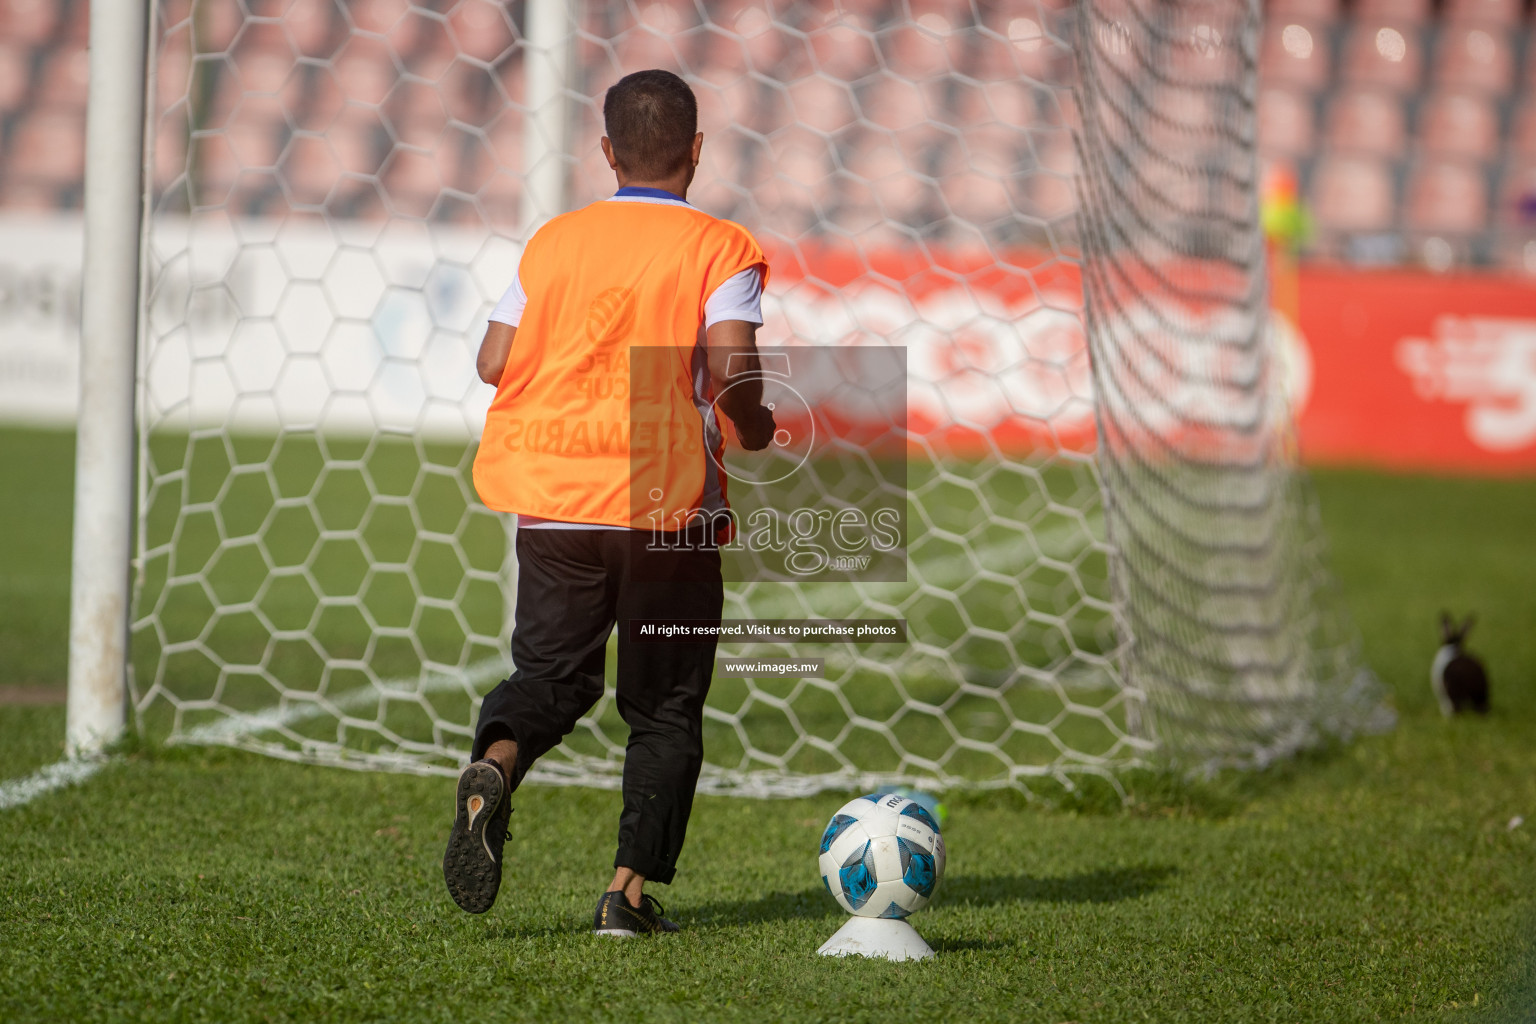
40, 259
354, 327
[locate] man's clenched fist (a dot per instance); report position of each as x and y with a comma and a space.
755, 432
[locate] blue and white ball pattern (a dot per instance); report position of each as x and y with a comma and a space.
882, 856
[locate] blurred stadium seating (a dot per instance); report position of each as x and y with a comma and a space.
1411, 124
1424, 123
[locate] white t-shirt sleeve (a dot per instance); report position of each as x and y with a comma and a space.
738, 298
509, 310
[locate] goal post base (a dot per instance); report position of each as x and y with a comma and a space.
886, 938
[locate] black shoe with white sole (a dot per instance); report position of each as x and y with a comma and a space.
472, 863
616, 917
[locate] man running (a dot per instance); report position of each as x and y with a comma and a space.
626, 323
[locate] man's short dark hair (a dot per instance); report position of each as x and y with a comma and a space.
651, 118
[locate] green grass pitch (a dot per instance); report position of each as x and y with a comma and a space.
1377, 882
309, 578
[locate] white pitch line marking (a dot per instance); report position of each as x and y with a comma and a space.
16, 792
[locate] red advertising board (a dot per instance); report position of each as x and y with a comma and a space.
1420, 371
1397, 369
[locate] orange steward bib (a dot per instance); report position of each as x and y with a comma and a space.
595, 418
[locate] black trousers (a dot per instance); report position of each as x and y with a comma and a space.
572, 587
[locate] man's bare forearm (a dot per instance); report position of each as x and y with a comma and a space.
737, 372
741, 394
491, 361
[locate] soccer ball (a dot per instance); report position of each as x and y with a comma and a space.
882, 856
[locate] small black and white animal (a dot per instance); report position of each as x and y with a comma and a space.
1459, 679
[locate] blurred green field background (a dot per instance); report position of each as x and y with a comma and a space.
1382, 881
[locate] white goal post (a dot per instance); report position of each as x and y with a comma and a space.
105, 441
1041, 218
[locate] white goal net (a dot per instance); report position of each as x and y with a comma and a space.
338, 195
1240, 642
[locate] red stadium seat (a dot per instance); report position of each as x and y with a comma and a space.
743, 39
656, 40
1112, 44
423, 42
802, 166
173, 69
853, 106
978, 190
1483, 12
315, 28
415, 113
966, 106
216, 167
1321, 12
1517, 254
910, 196
1515, 215
719, 186
1446, 196
1010, 105
1517, 196
728, 99
502, 146
1185, 113
1407, 12
1353, 194
365, 70
845, 50
35, 195
15, 76
1285, 122
262, 57
894, 104
1474, 57
482, 30
802, 156
1020, 49
256, 131
65, 80
1050, 194
1367, 121
791, 182
217, 26
1295, 54
1522, 135
359, 140
48, 147
377, 16
914, 52
169, 159
308, 170
469, 92
500, 199
592, 179
1207, 57
821, 103
28, 22
1458, 124
1389, 55
413, 180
